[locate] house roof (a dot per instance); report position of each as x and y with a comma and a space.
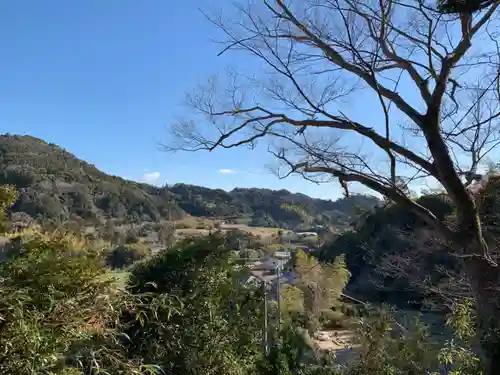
268, 263
282, 254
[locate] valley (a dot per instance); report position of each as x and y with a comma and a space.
289, 244
389, 108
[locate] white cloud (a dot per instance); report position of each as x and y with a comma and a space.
225, 171
151, 177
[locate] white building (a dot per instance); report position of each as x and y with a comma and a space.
284, 254
307, 234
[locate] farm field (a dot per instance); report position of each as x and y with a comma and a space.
194, 226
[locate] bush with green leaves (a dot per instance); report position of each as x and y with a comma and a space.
8, 195
382, 346
216, 323
51, 299
320, 285
386, 347
125, 255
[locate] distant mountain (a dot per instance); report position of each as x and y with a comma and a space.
55, 185
265, 207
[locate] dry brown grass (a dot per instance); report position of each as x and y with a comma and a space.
194, 222
256, 231
191, 232
196, 226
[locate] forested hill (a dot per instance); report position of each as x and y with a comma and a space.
265, 207
55, 185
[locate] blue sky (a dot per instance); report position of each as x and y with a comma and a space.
103, 78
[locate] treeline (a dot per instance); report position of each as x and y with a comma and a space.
56, 187
269, 208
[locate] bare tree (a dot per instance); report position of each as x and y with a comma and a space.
423, 249
444, 283
435, 78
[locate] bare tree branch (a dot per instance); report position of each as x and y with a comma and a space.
417, 68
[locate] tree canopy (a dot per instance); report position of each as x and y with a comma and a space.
463, 6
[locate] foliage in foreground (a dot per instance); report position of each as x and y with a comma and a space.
316, 291
50, 300
182, 312
217, 328
382, 347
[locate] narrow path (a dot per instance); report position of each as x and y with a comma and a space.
340, 342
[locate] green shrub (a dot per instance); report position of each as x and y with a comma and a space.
125, 255
51, 299
8, 195
131, 238
383, 347
330, 319
196, 317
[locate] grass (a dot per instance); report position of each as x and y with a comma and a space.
121, 277
195, 226
262, 232
191, 222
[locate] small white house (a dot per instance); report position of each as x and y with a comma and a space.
307, 234
284, 254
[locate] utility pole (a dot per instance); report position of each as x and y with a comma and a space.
240, 250
278, 294
264, 328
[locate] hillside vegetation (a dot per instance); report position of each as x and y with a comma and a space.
269, 208
55, 186
394, 256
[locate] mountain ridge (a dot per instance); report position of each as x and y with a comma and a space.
55, 185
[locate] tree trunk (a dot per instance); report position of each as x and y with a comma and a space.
484, 277
485, 283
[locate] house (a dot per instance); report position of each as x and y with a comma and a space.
284, 254
251, 280
274, 263
263, 273
307, 234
